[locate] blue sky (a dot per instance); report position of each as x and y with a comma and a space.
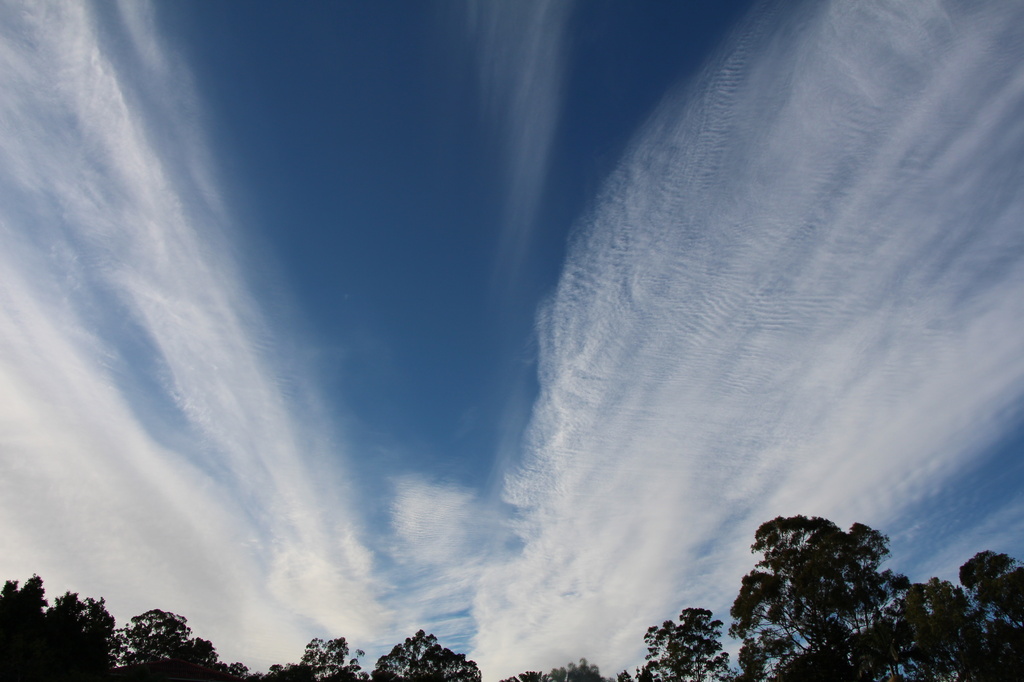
510, 321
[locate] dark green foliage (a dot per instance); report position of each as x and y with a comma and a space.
322, 661
573, 672
644, 675
689, 651
421, 659
23, 641
329, 661
237, 669
995, 586
67, 641
973, 631
158, 634
292, 672
530, 676
81, 632
818, 607
947, 636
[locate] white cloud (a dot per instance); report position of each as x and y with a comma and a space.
432, 522
151, 440
520, 50
443, 535
798, 294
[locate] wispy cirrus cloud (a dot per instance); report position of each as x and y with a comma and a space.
442, 538
521, 56
799, 293
151, 440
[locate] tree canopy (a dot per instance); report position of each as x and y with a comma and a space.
70, 640
818, 605
421, 659
322, 661
972, 631
583, 671
688, 650
158, 634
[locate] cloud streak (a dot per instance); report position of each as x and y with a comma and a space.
151, 439
797, 294
442, 537
521, 54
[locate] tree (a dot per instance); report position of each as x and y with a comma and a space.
22, 630
70, 640
322, 661
973, 631
421, 659
572, 672
818, 606
329, 662
237, 669
947, 635
995, 585
292, 672
689, 651
529, 676
158, 634
81, 633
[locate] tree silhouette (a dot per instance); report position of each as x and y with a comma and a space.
328, 661
70, 640
973, 631
529, 676
158, 634
421, 659
995, 586
817, 606
573, 672
689, 651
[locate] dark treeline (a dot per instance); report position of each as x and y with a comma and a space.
817, 606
